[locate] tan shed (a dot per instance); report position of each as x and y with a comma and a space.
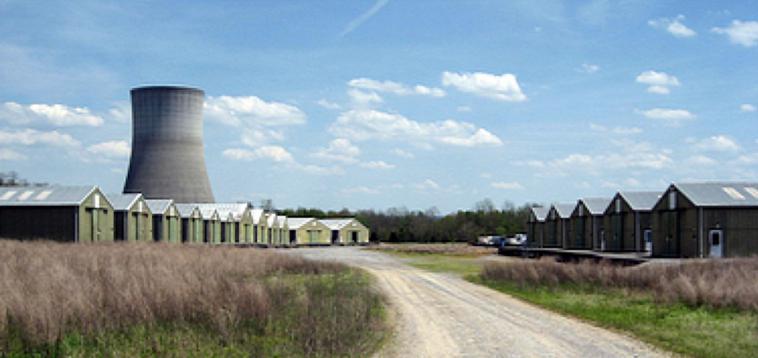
347, 231
133, 220
308, 232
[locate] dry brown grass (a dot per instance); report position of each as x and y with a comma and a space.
453, 249
713, 283
48, 290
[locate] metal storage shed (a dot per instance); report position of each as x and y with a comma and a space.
132, 219
716, 219
556, 225
536, 226
308, 231
192, 223
283, 230
585, 231
211, 225
60, 213
167, 223
272, 231
347, 231
626, 221
259, 226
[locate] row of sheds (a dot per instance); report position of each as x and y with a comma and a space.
85, 214
714, 219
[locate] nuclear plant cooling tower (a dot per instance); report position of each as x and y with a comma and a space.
167, 159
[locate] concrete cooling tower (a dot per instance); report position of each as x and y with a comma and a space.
167, 159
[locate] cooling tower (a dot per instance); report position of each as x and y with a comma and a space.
167, 159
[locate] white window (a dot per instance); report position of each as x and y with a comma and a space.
618, 205
672, 200
139, 206
733, 193
96, 199
25, 195
43, 195
581, 210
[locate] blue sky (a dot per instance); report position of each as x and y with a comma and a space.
375, 104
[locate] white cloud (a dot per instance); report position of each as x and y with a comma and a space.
360, 190
589, 68
615, 130
122, 112
280, 156
358, 21
717, 143
10, 154
54, 114
111, 149
671, 117
746, 107
743, 33
674, 26
402, 153
363, 99
328, 104
463, 109
34, 137
274, 153
700, 160
339, 150
255, 137
428, 184
372, 124
504, 87
251, 111
395, 88
514, 185
658, 82
378, 164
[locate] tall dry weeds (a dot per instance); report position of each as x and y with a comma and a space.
713, 283
48, 290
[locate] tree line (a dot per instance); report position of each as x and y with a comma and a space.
403, 225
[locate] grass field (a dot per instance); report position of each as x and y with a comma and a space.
172, 300
678, 319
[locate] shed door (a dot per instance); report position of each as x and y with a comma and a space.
648, 237
716, 240
355, 236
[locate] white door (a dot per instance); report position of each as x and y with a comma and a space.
716, 240
602, 240
648, 237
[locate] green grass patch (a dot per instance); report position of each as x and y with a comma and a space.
698, 332
455, 264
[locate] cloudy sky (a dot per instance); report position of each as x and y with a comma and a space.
374, 104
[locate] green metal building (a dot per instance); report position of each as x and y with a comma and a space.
259, 226
192, 223
167, 223
132, 219
346, 231
211, 225
308, 232
60, 213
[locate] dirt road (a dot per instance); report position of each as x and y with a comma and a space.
440, 315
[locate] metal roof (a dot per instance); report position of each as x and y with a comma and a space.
596, 206
159, 206
336, 224
224, 209
540, 212
640, 200
296, 223
720, 193
564, 210
283, 221
185, 210
207, 212
49, 195
122, 202
271, 220
257, 214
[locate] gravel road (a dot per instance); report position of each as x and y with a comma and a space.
441, 315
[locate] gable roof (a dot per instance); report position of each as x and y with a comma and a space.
540, 212
185, 210
336, 224
720, 193
283, 222
596, 206
564, 210
49, 195
208, 212
640, 200
296, 223
225, 209
159, 206
257, 214
122, 202
271, 220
